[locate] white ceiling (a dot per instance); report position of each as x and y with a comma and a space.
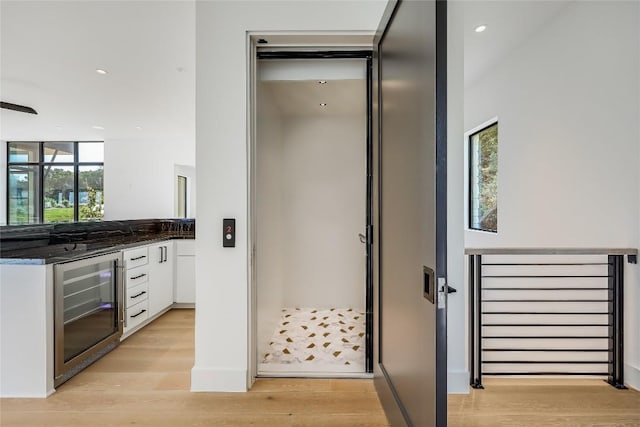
51, 49
509, 24
303, 98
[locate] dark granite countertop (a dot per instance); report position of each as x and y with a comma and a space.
57, 243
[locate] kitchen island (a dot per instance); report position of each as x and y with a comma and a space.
28, 255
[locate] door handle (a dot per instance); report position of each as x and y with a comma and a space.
363, 238
429, 284
451, 290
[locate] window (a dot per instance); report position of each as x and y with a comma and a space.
54, 182
483, 179
182, 196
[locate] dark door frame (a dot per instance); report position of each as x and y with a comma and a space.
389, 397
366, 55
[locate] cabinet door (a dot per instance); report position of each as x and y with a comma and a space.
186, 279
185, 286
161, 260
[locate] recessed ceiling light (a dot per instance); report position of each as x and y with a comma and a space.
101, 71
98, 127
138, 127
480, 28
322, 82
58, 127
323, 104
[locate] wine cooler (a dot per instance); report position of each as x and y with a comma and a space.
88, 312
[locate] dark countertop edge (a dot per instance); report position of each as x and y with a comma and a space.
89, 253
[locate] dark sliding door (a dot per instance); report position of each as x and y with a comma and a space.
412, 245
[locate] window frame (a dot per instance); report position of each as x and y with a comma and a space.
41, 164
469, 173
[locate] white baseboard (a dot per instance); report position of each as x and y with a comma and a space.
458, 382
183, 305
205, 379
632, 376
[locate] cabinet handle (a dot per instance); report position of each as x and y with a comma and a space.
138, 276
138, 295
138, 257
161, 254
136, 315
166, 250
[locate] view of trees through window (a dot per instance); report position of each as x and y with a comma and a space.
55, 182
483, 182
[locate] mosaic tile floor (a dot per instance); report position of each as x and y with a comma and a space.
311, 338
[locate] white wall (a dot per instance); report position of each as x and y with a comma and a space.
222, 291
310, 207
324, 206
458, 374
633, 290
139, 175
145, 103
269, 223
567, 100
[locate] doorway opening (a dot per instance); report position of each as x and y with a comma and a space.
311, 214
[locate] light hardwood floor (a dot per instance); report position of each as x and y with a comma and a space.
145, 382
545, 402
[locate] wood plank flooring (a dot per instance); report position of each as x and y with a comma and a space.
145, 382
545, 402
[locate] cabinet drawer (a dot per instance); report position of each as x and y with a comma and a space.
137, 294
136, 276
136, 257
137, 314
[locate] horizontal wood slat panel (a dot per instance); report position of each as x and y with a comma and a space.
550, 331
524, 368
492, 319
545, 307
545, 270
544, 282
541, 343
545, 259
547, 294
539, 356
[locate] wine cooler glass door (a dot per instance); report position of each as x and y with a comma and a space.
87, 308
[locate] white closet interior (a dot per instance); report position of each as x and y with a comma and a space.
310, 196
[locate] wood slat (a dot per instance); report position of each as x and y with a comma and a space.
545, 270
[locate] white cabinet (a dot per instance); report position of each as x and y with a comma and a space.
161, 263
185, 283
155, 277
136, 282
136, 257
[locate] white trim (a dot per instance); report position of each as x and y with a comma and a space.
206, 379
480, 127
467, 134
328, 39
458, 382
305, 369
632, 376
252, 303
